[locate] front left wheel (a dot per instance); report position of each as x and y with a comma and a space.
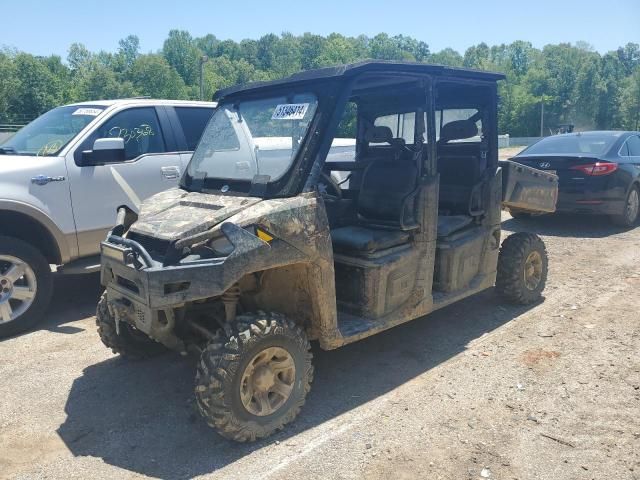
125, 340
26, 286
254, 382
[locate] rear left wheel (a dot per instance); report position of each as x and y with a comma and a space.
522, 268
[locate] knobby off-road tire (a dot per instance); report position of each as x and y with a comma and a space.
628, 218
35, 286
130, 343
230, 368
522, 268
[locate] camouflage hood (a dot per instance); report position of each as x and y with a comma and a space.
175, 214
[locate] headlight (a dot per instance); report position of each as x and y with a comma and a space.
221, 246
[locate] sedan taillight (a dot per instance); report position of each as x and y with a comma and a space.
596, 169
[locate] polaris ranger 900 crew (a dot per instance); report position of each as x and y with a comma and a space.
260, 250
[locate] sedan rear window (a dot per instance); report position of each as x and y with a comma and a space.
572, 145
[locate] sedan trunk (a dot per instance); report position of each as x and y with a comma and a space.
576, 186
564, 166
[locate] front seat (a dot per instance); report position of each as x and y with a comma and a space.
385, 203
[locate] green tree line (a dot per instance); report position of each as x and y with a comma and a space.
577, 84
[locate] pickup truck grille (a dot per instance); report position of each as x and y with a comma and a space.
155, 246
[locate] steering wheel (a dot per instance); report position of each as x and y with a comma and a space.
328, 183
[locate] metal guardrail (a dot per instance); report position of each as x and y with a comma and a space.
522, 141
19, 118
10, 127
7, 130
509, 141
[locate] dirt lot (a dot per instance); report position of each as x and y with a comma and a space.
478, 390
508, 152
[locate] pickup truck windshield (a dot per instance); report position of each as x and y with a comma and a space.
50, 132
253, 137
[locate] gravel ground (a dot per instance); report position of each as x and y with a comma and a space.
508, 152
476, 390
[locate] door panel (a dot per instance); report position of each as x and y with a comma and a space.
97, 191
46, 188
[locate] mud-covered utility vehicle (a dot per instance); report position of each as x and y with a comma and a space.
260, 250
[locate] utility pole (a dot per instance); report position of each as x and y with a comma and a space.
542, 117
204, 59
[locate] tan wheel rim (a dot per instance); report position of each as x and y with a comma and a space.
533, 270
267, 381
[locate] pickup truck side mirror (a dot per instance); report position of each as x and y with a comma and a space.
105, 150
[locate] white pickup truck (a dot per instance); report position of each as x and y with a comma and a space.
62, 179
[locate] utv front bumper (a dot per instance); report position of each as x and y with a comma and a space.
144, 292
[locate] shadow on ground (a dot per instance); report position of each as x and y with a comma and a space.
564, 225
74, 298
141, 416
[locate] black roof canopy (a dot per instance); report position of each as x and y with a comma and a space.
349, 70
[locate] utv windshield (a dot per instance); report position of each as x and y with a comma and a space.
50, 132
253, 137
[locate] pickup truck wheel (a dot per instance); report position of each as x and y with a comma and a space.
26, 285
522, 268
130, 343
254, 382
629, 216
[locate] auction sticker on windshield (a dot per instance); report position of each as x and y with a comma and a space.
290, 111
87, 111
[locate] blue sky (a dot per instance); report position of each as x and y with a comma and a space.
45, 27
